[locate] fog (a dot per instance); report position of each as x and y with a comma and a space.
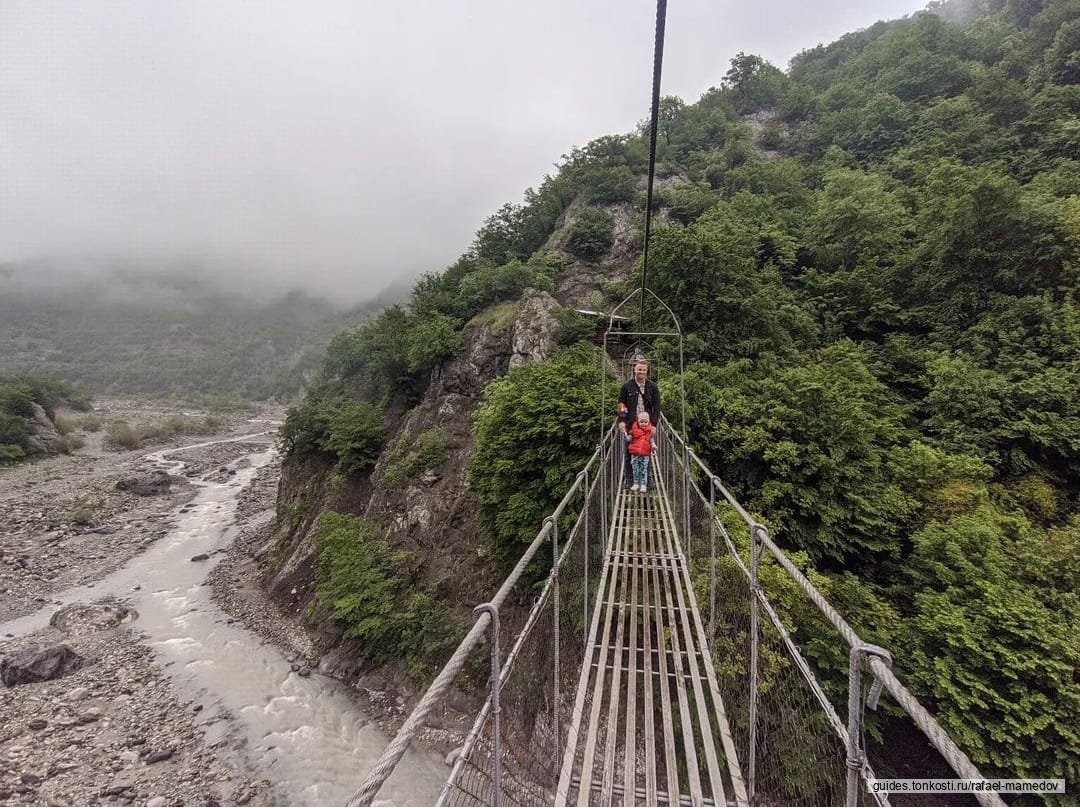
337, 146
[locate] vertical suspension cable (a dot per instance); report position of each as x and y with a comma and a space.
658, 61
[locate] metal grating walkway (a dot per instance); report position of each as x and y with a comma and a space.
648, 725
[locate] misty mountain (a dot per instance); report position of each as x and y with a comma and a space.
125, 331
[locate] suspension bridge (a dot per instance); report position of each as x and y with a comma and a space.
619, 688
656, 665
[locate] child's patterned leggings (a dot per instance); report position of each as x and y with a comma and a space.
640, 466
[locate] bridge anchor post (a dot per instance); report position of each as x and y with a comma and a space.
856, 753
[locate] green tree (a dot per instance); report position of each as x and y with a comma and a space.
592, 234
535, 428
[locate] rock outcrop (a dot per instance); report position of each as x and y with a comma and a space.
44, 436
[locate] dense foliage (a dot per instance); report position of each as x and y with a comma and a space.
535, 429
882, 288
363, 583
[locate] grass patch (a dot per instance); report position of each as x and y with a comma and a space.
122, 435
498, 318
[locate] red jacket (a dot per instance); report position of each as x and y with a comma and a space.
641, 444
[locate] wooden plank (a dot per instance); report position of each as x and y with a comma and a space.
670, 580
671, 767
681, 579
633, 646
724, 728
598, 682
562, 791
651, 797
615, 693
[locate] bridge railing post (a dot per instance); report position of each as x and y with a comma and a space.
755, 631
712, 560
494, 689
556, 689
856, 752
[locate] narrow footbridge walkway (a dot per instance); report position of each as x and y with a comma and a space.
647, 638
648, 648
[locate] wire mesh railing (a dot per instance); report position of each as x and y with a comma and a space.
797, 683
513, 756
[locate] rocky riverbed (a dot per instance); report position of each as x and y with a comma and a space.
112, 729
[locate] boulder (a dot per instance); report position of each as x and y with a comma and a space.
39, 664
146, 485
45, 437
77, 619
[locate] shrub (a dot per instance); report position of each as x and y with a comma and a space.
431, 340
90, 423
355, 434
411, 457
121, 435
488, 285
74, 442
361, 581
358, 579
592, 234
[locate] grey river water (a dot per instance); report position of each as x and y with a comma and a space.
305, 735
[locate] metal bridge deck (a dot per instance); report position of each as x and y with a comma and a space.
648, 724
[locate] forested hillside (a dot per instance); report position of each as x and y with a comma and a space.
876, 256
175, 335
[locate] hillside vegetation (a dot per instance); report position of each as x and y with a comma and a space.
876, 257
167, 336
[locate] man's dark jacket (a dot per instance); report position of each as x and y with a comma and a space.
628, 397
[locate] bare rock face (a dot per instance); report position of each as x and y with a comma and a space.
45, 437
535, 329
77, 619
147, 485
39, 664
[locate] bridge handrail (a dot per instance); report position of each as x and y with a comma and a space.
929, 726
396, 749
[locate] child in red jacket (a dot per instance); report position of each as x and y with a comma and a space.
641, 447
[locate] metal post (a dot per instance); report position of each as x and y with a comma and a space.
556, 689
585, 552
755, 586
605, 472
856, 754
712, 560
854, 750
495, 688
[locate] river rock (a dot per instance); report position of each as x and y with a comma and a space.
77, 619
200, 557
39, 664
160, 755
146, 485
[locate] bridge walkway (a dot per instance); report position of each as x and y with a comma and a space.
648, 724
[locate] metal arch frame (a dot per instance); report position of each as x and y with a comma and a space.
678, 332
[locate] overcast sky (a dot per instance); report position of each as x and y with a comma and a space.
336, 145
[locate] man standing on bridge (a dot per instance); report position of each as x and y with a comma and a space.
640, 393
